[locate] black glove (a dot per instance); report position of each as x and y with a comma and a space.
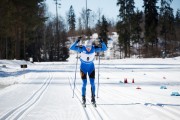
100, 39
79, 38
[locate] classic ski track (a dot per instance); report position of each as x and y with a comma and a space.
99, 110
79, 100
153, 109
172, 111
17, 112
95, 111
92, 108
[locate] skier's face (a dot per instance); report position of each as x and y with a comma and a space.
88, 48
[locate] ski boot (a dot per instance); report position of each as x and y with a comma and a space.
93, 101
84, 101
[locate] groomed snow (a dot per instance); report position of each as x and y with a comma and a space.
44, 91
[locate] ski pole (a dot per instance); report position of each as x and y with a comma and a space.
98, 77
75, 75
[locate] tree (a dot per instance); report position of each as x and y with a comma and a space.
166, 21
178, 16
71, 21
18, 19
136, 37
103, 29
122, 43
124, 26
177, 29
151, 23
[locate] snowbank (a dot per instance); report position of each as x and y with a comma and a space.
10, 69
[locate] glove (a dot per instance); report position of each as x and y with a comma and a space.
79, 38
100, 39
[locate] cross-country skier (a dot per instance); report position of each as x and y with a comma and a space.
87, 55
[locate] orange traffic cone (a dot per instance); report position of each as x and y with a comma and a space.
133, 80
125, 80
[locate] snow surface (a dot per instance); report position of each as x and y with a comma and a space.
44, 91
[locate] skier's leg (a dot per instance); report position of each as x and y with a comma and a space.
92, 86
84, 87
92, 78
92, 90
84, 83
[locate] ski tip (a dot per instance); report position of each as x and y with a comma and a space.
94, 105
83, 105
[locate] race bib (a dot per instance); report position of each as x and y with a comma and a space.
87, 57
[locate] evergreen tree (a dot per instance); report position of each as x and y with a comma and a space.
177, 28
104, 29
71, 21
18, 19
178, 17
136, 28
151, 23
166, 21
124, 26
123, 34
177, 21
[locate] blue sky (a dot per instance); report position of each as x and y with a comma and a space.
107, 7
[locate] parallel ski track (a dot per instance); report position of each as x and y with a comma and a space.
133, 100
172, 112
96, 111
17, 112
84, 109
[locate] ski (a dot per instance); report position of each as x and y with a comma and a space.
94, 104
84, 104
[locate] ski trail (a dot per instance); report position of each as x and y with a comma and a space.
78, 98
90, 110
152, 108
18, 112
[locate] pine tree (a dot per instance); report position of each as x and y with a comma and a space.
151, 23
177, 28
166, 22
71, 21
19, 19
104, 29
178, 16
136, 37
124, 26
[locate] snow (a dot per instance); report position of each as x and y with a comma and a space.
44, 91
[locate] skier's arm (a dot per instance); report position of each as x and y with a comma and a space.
102, 48
75, 46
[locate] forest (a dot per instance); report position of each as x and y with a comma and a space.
27, 30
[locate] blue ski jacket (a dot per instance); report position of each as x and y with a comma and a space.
87, 58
